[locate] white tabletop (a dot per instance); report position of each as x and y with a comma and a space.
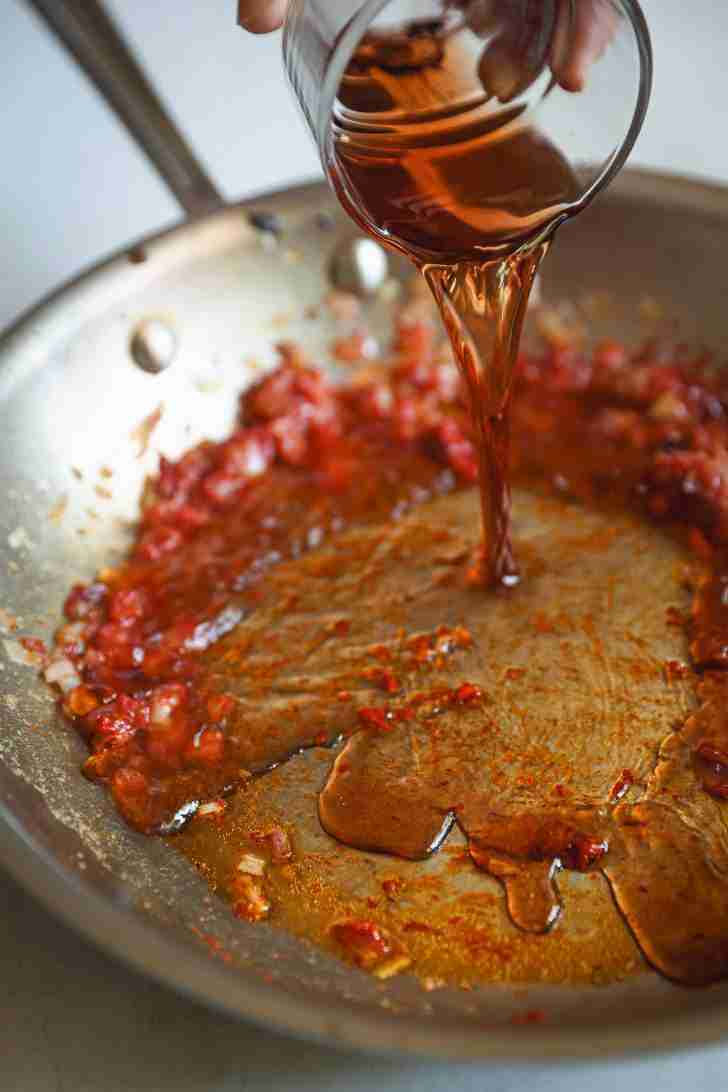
73, 187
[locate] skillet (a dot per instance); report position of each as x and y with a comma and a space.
73, 400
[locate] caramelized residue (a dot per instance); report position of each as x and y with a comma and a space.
303, 587
423, 158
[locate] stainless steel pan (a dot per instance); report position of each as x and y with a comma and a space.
220, 290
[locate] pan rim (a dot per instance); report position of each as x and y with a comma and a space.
140, 943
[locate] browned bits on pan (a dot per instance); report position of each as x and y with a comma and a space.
370, 947
276, 841
249, 899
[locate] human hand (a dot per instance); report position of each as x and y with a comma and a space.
522, 41
518, 46
261, 16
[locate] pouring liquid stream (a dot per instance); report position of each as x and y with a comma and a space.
425, 162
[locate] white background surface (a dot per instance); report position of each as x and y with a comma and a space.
73, 187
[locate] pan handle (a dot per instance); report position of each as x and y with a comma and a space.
90, 35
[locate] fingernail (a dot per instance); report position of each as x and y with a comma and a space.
568, 75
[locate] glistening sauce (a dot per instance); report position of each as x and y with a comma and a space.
303, 581
422, 160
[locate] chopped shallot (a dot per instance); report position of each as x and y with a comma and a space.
392, 966
165, 699
60, 672
211, 810
251, 865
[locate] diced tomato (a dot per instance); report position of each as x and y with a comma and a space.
364, 941
128, 605
156, 543
206, 749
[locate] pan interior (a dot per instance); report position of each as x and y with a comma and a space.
74, 408
568, 689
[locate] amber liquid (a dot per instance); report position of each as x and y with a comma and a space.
568, 747
425, 162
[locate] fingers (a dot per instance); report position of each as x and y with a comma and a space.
518, 46
483, 16
261, 16
515, 56
580, 41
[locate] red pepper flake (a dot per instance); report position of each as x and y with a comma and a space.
674, 669
542, 624
389, 682
525, 780
376, 720
419, 927
343, 696
467, 694
342, 627
452, 638
421, 648
363, 941
393, 887
34, 645
385, 679
513, 674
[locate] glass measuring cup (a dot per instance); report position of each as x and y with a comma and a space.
488, 67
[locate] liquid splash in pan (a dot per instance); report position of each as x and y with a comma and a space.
305, 585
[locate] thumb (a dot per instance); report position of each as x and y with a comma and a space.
261, 16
